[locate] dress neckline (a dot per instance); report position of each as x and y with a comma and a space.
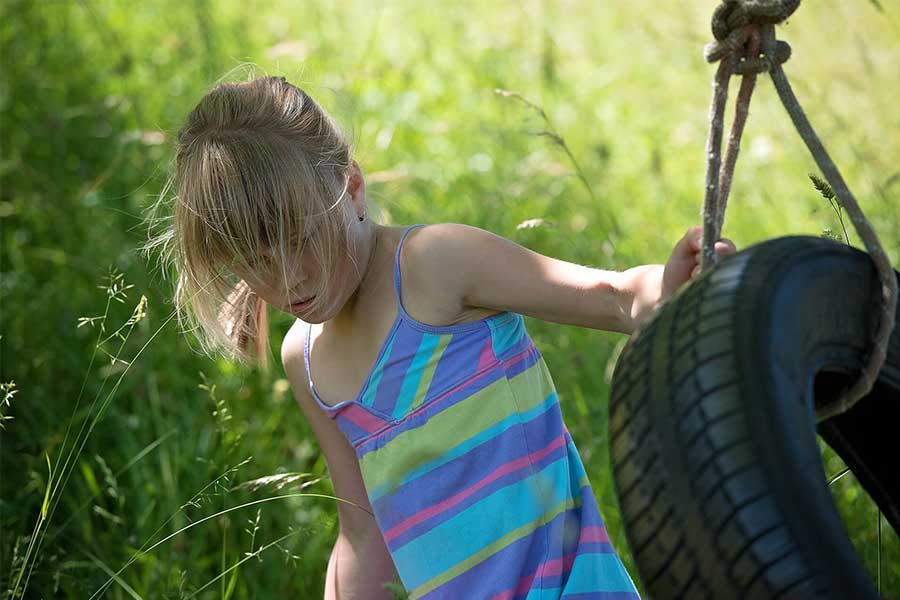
401, 317
385, 343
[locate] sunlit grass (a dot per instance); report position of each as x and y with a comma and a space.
148, 492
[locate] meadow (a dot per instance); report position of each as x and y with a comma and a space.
133, 466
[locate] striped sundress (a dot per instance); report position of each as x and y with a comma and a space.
474, 480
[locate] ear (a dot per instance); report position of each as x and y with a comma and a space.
356, 188
356, 184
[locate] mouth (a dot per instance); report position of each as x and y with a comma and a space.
302, 303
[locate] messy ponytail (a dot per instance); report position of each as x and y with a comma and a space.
259, 166
244, 319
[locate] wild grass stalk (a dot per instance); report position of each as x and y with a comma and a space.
7, 390
116, 291
136, 555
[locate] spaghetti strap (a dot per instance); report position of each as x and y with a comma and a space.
306, 358
400, 308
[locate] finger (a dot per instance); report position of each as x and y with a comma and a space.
693, 236
695, 272
725, 246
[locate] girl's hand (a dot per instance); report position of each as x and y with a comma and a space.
684, 263
657, 283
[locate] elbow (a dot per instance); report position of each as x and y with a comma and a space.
360, 566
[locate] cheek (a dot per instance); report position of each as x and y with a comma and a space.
310, 267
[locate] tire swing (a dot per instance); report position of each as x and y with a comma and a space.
717, 398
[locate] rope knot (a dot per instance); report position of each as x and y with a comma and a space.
763, 63
734, 22
731, 15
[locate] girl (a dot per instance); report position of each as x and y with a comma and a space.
437, 416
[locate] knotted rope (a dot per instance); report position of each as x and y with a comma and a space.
745, 45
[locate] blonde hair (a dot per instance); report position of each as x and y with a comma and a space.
260, 168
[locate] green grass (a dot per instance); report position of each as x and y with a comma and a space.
93, 94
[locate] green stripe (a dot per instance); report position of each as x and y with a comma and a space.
413, 377
461, 449
456, 424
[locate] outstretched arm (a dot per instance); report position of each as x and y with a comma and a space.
485, 270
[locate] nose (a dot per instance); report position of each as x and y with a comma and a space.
288, 283
298, 293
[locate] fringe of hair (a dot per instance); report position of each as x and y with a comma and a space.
258, 164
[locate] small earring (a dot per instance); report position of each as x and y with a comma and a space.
362, 218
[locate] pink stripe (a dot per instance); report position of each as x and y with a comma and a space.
519, 357
478, 374
427, 513
555, 566
593, 533
487, 357
362, 418
558, 566
432, 403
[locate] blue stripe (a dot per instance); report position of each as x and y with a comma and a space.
629, 595
430, 488
459, 361
495, 429
508, 479
463, 535
531, 358
422, 414
578, 470
375, 378
501, 571
414, 374
505, 335
591, 573
400, 357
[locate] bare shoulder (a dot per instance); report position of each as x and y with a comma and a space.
440, 237
434, 262
294, 364
448, 245
292, 351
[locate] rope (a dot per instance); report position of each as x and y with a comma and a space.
745, 45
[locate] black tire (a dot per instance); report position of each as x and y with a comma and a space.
713, 432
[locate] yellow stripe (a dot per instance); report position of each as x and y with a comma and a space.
493, 548
456, 424
428, 374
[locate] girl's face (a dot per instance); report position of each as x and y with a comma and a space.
284, 289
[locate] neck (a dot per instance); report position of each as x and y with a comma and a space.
370, 264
